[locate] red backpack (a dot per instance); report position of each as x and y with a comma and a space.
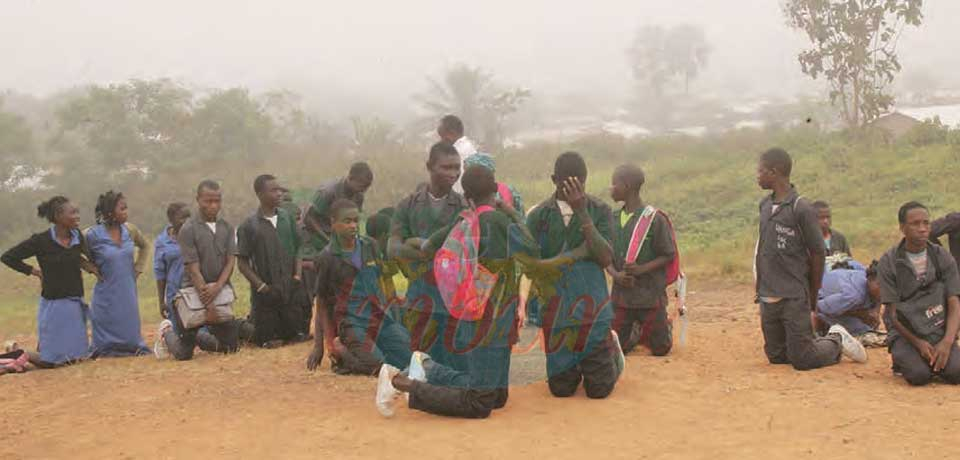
465, 286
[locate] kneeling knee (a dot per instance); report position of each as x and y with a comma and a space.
563, 391
918, 377
598, 391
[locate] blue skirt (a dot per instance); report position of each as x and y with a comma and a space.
62, 330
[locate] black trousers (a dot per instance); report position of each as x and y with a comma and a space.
916, 370
597, 370
649, 327
216, 338
788, 336
473, 393
274, 317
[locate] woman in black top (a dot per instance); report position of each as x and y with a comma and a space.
60, 252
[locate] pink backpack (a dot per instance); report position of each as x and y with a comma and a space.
465, 286
639, 234
505, 194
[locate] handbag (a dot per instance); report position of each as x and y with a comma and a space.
193, 313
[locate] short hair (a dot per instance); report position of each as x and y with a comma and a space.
359, 170
439, 149
452, 123
106, 205
777, 159
379, 224
570, 164
50, 208
208, 184
341, 204
907, 207
873, 270
632, 174
174, 209
478, 182
820, 205
261, 181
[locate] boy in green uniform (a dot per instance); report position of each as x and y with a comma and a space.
573, 303
350, 272
415, 219
639, 288
476, 382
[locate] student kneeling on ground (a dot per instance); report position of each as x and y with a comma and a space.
640, 285
919, 289
350, 282
475, 385
207, 246
789, 269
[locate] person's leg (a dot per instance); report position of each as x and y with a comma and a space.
563, 370
181, 344
803, 350
624, 320
951, 373
774, 334
290, 317
600, 373
358, 356
657, 331
266, 318
225, 336
907, 360
452, 401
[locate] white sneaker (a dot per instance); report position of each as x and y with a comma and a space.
160, 345
618, 358
851, 347
386, 394
416, 371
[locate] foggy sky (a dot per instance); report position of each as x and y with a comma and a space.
382, 50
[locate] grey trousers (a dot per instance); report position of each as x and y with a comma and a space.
789, 339
916, 370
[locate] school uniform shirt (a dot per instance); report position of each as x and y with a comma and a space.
207, 244
789, 232
270, 249
168, 263
902, 285
649, 288
324, 198
555, 233
837, 244
420, 215
340, 286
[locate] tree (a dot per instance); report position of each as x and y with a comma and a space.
135, 125
472, 94
16, 143
229, 124
855, 49
658, 55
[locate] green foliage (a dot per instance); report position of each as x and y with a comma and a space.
16, 143
854, 47
929, 131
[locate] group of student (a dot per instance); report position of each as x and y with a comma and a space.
812, 294
463, 242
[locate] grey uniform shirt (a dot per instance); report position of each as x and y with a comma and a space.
899, 282
788, 235
199, 244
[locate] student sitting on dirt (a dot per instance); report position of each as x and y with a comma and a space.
350, 274
834, 241
919, 286
850, 296
789, 269
643, 246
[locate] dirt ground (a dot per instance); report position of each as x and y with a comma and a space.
715, 397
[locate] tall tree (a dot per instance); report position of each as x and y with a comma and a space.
658, 55
472, 94
854, 46
16, 144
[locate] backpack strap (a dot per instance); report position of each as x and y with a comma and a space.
505, 194
639, 234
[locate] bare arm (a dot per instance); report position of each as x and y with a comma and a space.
322, 334
143, 249
162, 297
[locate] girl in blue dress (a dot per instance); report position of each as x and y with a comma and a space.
115, 313
62, 314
